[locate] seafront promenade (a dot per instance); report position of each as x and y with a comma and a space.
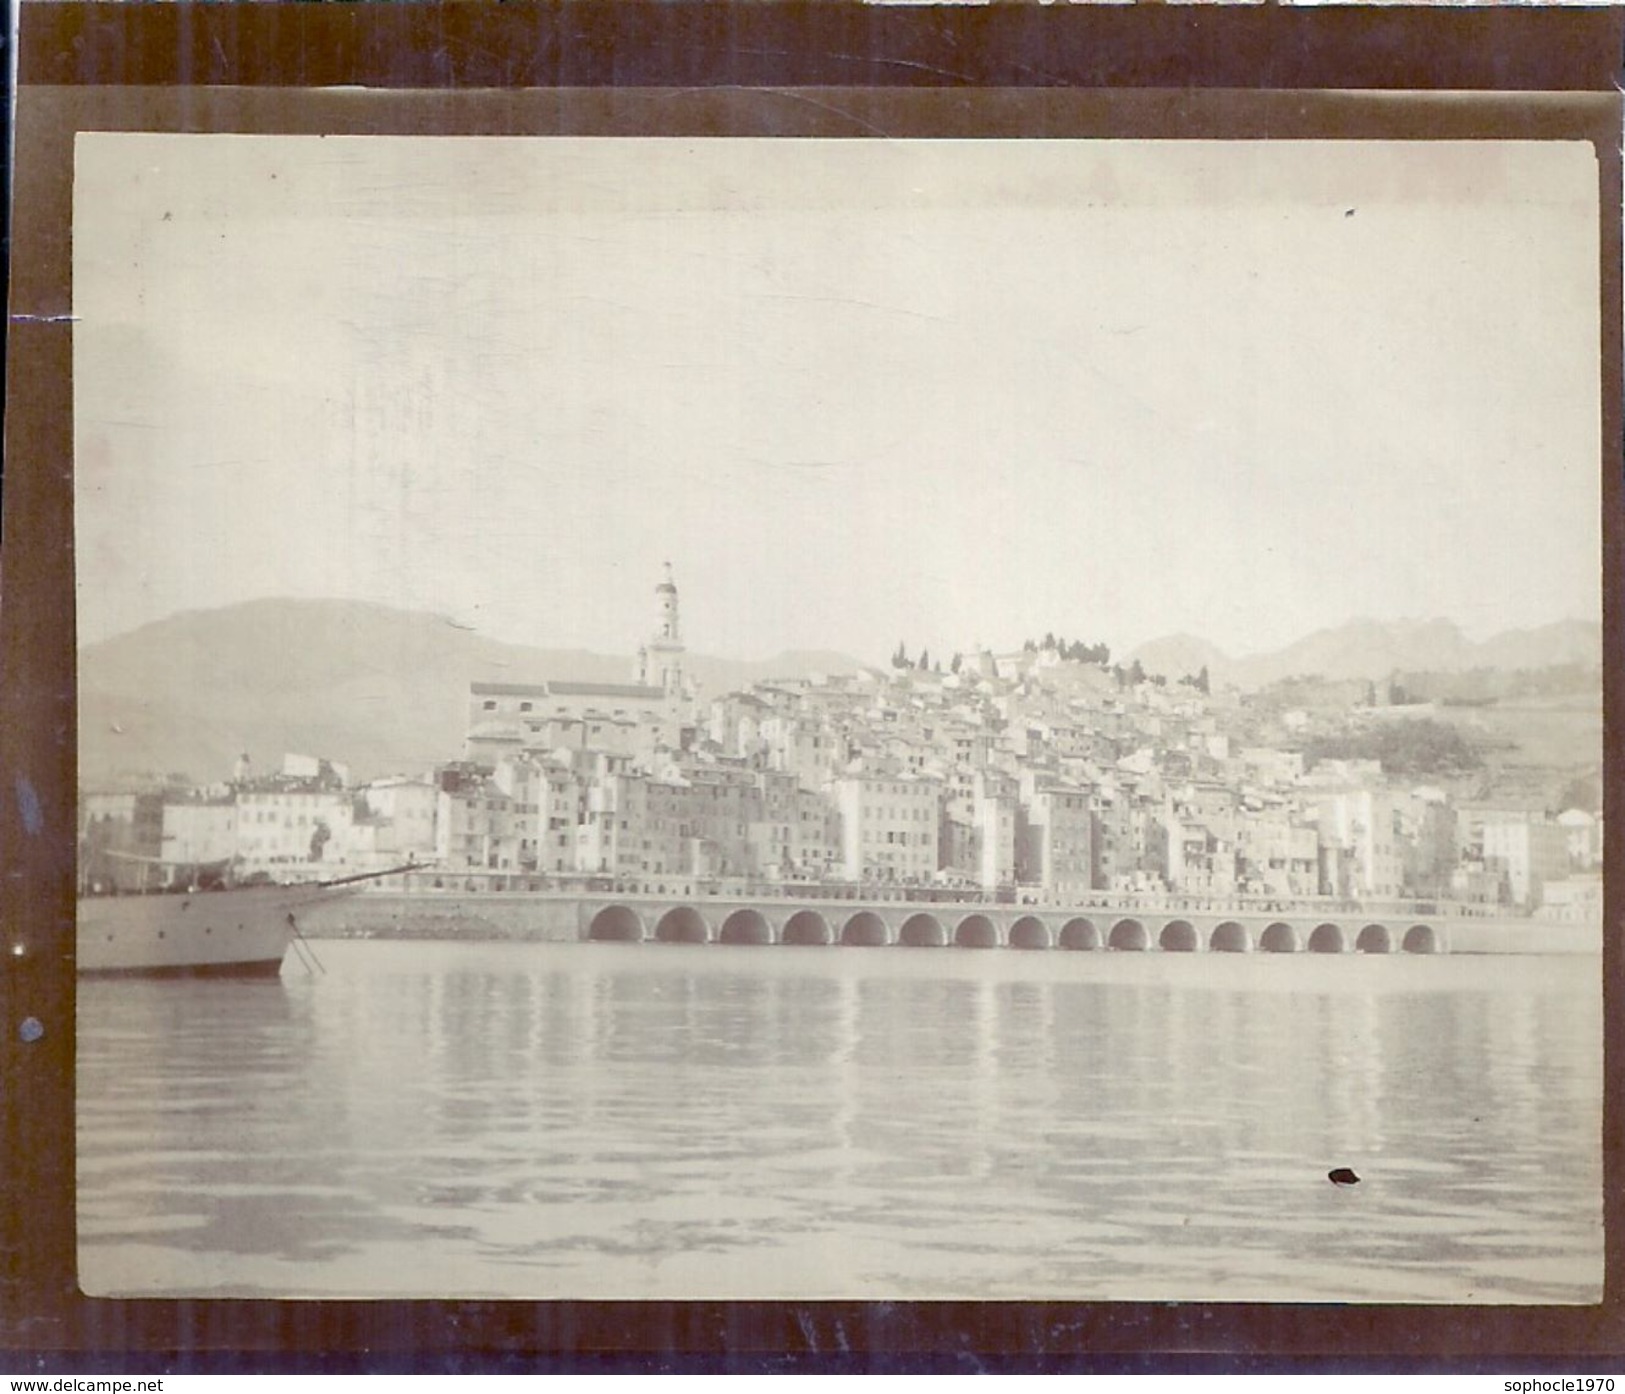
912, 917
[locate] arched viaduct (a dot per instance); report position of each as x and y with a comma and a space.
657, 919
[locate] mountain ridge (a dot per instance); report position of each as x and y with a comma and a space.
385, 690
1375, 649
381, 690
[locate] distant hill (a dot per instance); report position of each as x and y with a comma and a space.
1182, 655
1550, 646
385, 690
1374, 649
379, 689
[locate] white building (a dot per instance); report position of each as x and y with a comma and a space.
889, 827
198, 833
995, 826
1359, 837
1060, 844
294, 832
1529, 852
394, 822
1583, 832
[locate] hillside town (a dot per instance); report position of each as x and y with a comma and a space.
1042, 775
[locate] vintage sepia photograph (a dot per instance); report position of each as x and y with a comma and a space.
870, 719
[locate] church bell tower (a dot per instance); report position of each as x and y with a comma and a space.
667, 591
660, 661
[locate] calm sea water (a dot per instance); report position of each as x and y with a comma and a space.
604, 1120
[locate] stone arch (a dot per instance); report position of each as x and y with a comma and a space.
682, 924
1279, 938
617, 923
805, 927
1080, 933
745, 926
1231, 937
1326, 939
1130, 935
1374, 939
1029, 932
922, 931
865, 928
1178, 937
976, 932
1420, 939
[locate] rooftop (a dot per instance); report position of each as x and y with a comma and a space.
634, 691
605, 689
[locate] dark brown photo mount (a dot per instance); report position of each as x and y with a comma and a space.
700, 69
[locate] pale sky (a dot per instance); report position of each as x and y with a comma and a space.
854, 390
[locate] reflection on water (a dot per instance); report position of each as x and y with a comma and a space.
600, 1120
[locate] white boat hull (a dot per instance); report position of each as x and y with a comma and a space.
243, 932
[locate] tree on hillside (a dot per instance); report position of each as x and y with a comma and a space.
1420, 747
1071, 650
